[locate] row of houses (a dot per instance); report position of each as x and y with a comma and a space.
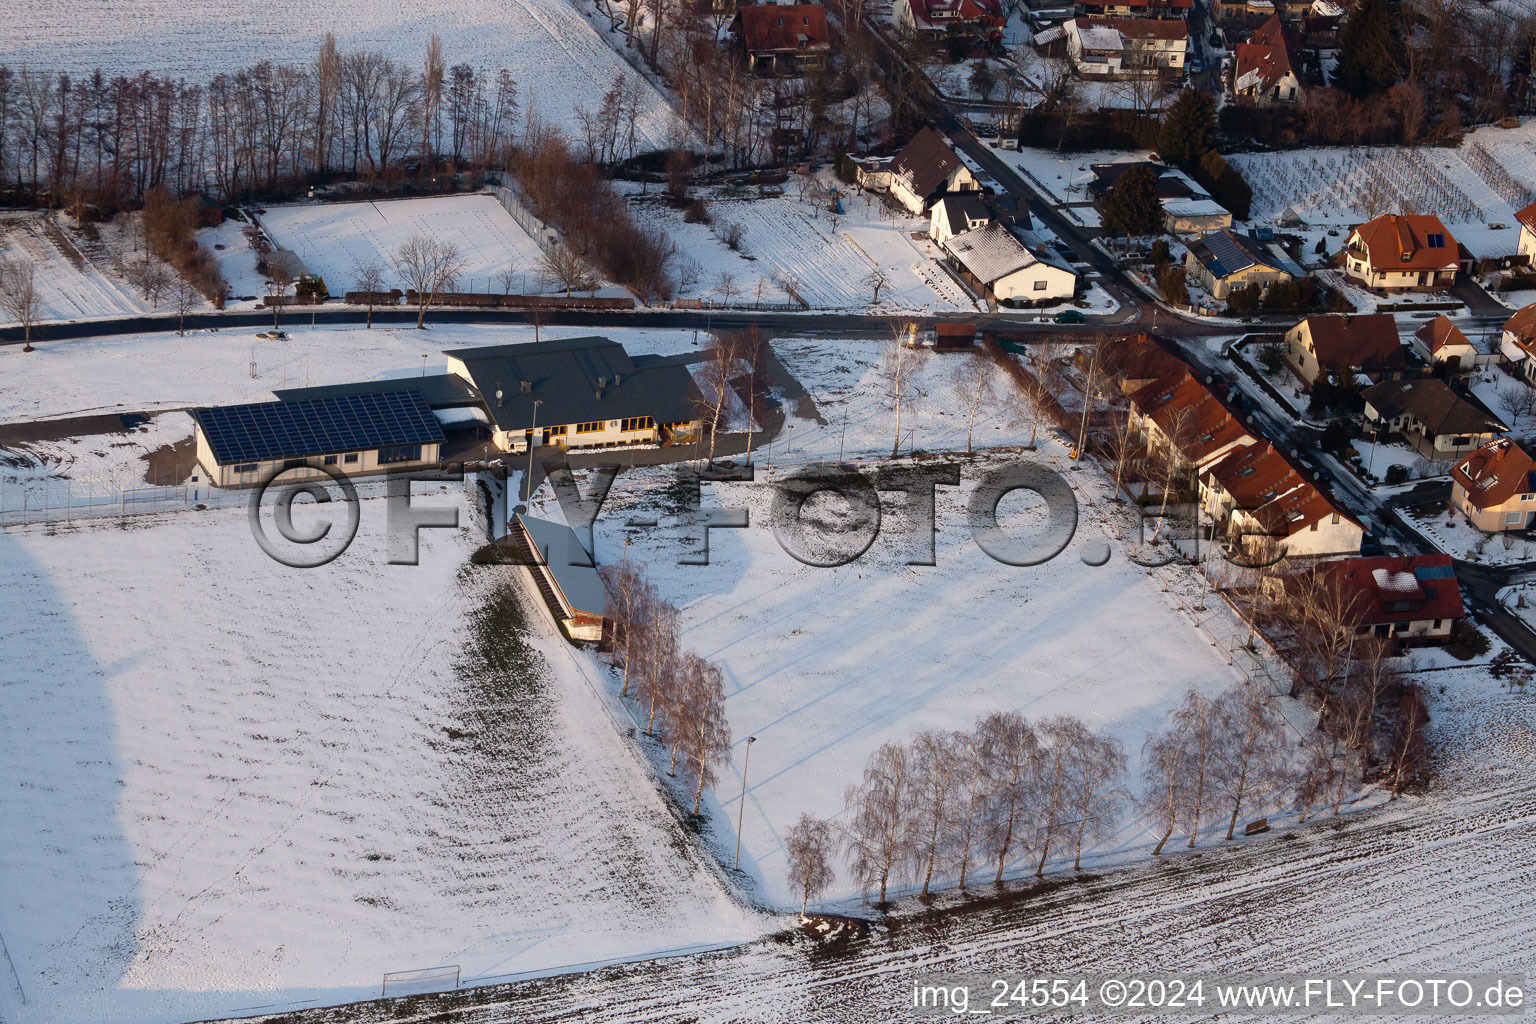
1256, 497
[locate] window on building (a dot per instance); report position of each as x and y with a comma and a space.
350, 459
1513, 518
399, 453
554, 431
635, 423
1040, 286
249, 467
589, 428
293, 463
330, 460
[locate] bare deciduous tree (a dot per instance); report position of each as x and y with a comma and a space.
972, 797
877, 838
1165, 783
1060, 739
564, 266
972, 386
368, 278
808, 846
278, 283
877, 279
1098, 775
1249, 757
704, 734
184, 299
20, 297
1195, 725
629, 603
427, 266
933, 771
1010, 753
714, 381
899, 370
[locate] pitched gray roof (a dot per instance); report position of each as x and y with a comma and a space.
1433, 403
927, 160
960, 209
577, 380
569, 563
990, 252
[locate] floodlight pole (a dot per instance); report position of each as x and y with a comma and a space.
741, 812
533, 430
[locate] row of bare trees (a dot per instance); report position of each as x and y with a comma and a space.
950, 802
680, 695
109, 140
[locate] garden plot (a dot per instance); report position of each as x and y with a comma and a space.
824, 665
1065, 176
72, 284
334, 239
560, 62
1474, 189
827, 259
1455, 535
248, 786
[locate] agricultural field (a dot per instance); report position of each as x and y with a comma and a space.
334, 239
559, 60
358, 773
1475, 188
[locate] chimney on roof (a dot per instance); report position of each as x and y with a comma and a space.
525, 386
602, 382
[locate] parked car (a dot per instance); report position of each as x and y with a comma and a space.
1069, 316
1369, 545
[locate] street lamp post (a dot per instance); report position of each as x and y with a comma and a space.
741, 812
532, 431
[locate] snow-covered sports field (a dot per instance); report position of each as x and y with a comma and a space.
334, 239
559, 60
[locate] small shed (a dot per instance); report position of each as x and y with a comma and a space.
565, 574
954, 337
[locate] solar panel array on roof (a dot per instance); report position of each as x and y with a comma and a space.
1228, 255
263, 431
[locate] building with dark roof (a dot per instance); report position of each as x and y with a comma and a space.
565, 573
1345, 343
1431, 416
926, 168
1495, 487
783, 38
957, 214
439, 390
1225, 260
1187, 207
580, 393
243, 445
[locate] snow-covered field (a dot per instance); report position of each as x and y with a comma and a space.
824, 665
71, 283
334, 239
1064, 175
559, 60
787, 238
1473, 188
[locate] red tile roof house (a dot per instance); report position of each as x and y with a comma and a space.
1527, 245
1345, 343
1414, 599
1267, 68
783, 38
1402, 252
1517, 344
1441, 343
1495, 487
983, 19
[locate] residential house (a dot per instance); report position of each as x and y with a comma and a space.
1413, 599
1441, 343
580, 393
356, 434
1001, 268
783, 38
1267, 68
1345, 343
1402, 252
1187, 208
979, 20
1127, 47
1225, 260
1264, 505
1431, 416
1179, 9
1527, 244
957, 214
928, 168
1495, 487
1517, 342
